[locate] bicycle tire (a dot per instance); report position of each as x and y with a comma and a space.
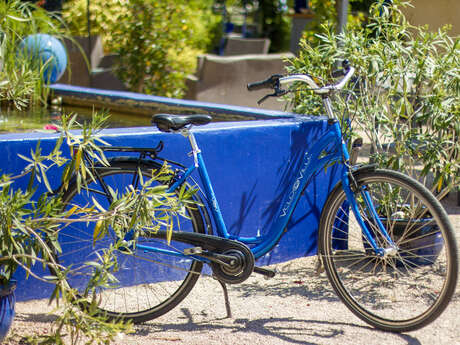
144, 293
408, 289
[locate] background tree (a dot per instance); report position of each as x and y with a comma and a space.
157, 41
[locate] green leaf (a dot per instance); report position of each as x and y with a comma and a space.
97, 234
78, 158
439, 185
26, 158
99, 207
169, 234
18, 19
45, 179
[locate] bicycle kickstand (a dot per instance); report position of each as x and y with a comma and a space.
227, 300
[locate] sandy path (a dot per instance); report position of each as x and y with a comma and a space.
295, 307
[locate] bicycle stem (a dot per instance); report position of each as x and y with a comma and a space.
328, 106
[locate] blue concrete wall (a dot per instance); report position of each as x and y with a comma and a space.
148, 104
250, 164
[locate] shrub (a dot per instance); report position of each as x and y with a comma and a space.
275, 24
157, 41
30, 226
326, 14
407, 91
104, 16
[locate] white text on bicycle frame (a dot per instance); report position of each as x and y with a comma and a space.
296, 185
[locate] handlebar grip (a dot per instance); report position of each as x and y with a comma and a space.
338, 73
269, 83
342, 72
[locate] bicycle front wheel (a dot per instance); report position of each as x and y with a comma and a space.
411, 284
150, 283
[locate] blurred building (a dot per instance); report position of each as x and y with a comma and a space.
435, 14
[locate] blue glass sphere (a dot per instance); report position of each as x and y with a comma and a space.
48, 51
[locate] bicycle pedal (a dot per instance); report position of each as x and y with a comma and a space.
265, 272
193, 251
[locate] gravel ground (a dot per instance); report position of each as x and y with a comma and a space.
295, 307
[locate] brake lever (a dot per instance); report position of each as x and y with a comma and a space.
263, 99
277, 93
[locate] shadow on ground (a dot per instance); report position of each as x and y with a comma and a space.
289, 330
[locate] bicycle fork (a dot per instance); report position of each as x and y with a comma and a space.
351, 188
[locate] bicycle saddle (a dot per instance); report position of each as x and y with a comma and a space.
168, 122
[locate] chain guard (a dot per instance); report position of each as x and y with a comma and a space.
235, 273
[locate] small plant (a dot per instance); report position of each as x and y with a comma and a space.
405, 95
30, 226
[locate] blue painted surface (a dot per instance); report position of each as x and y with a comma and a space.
249, 163
139, 100
7, 311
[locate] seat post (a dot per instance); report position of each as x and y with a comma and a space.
195, 149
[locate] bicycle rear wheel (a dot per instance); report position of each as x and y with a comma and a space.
406, 288
149, 283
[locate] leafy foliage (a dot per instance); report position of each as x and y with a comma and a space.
407, 91
325, 13
104, 16
157, 41
30, 226
153, 37
275, 24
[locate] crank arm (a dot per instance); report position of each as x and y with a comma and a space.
231, 261
221, 259
225, 260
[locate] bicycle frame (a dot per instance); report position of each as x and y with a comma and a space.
329, 149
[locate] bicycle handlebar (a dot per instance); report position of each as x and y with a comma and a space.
315, 88
276, 80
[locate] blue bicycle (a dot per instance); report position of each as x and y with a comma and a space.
384, 240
